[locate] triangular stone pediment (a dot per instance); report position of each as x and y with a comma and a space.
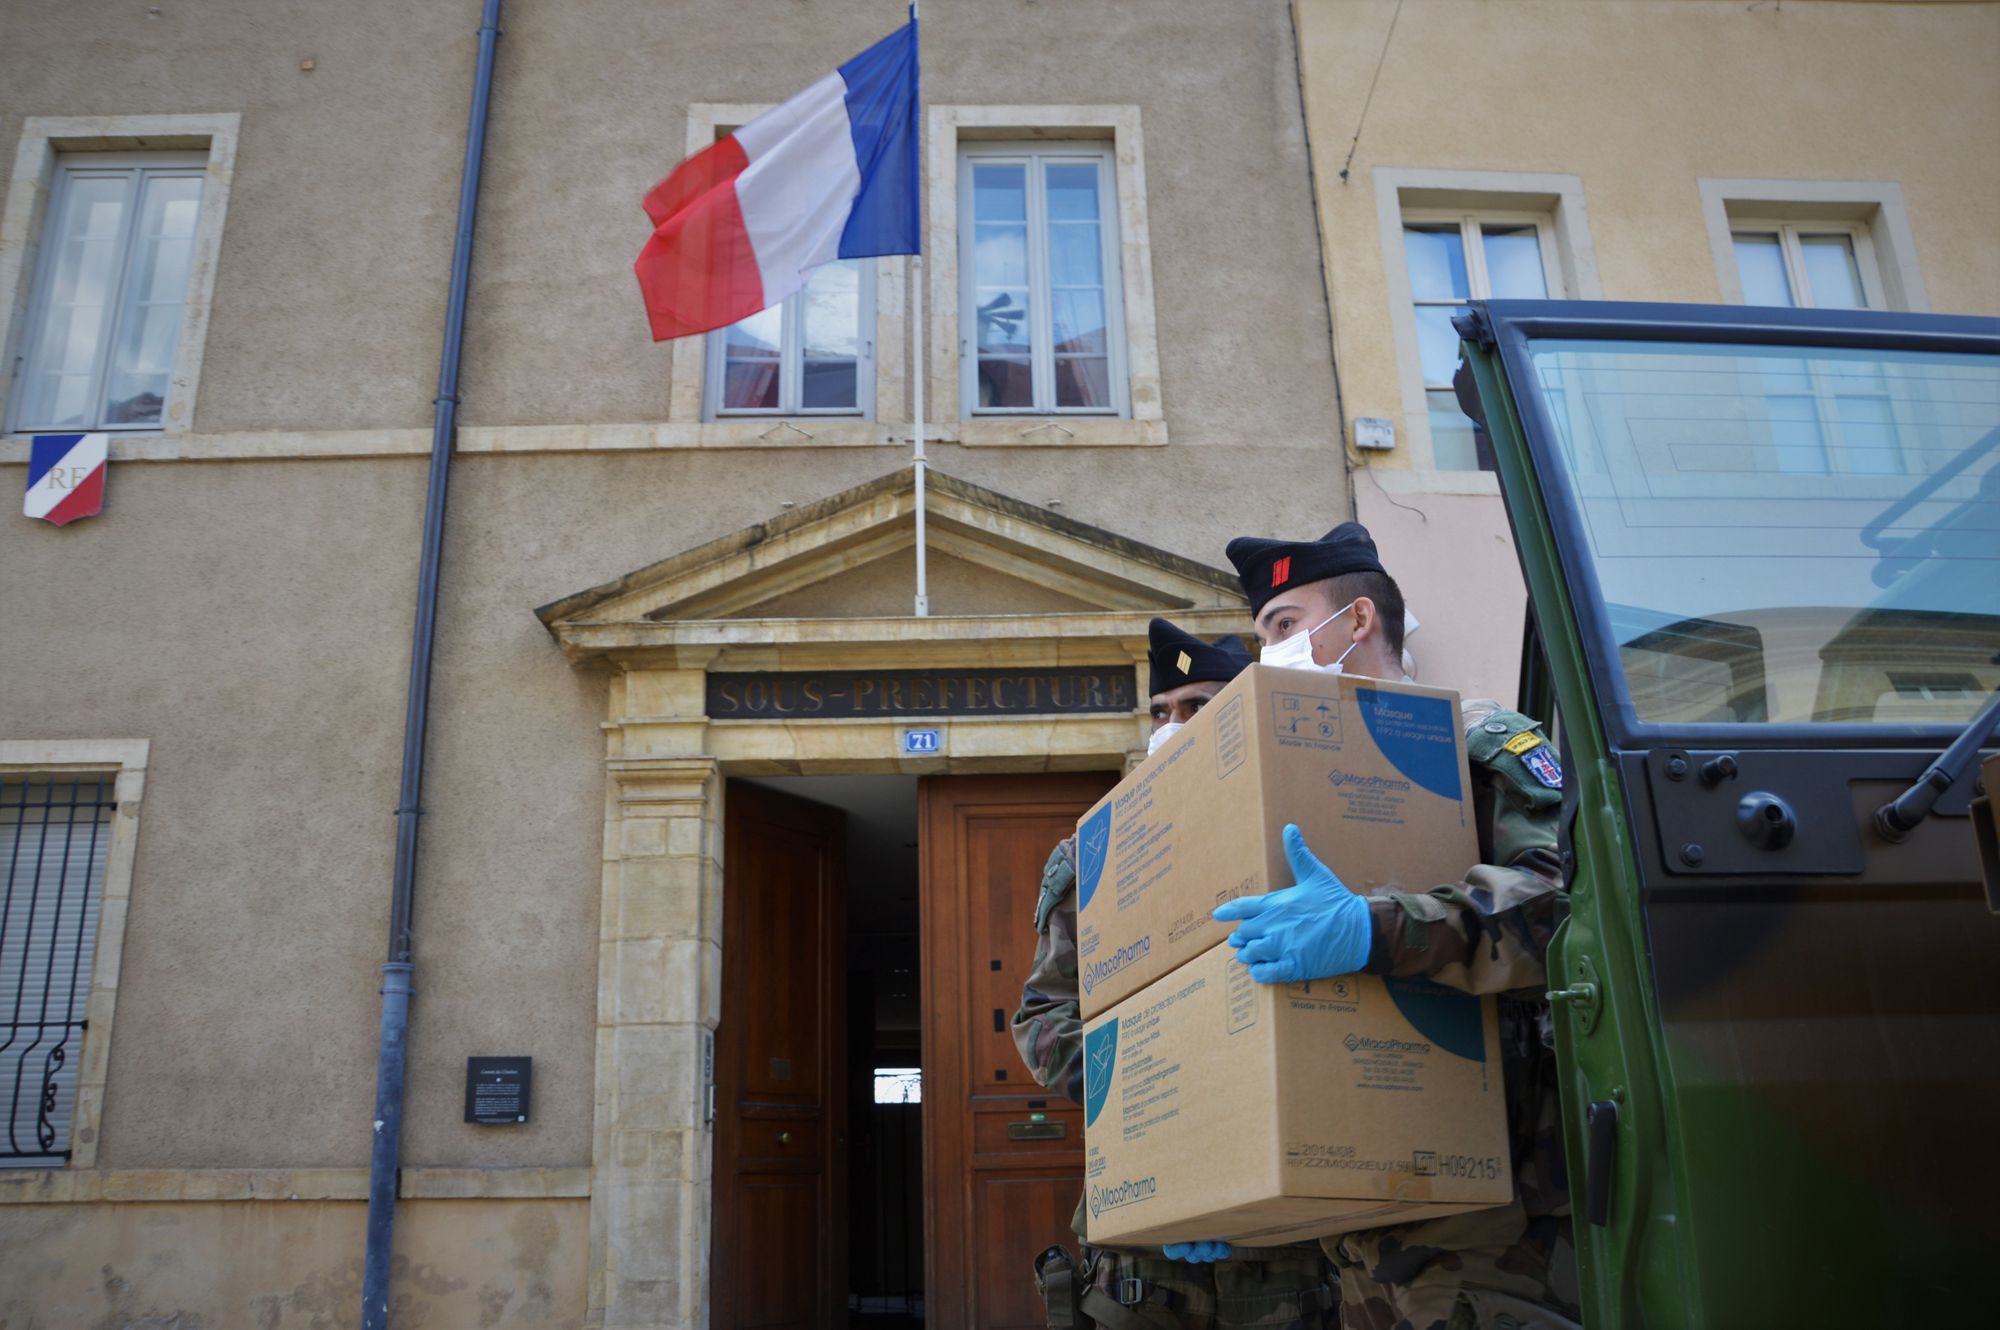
853, 555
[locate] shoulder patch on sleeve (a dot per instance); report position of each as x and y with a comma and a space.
1514, 748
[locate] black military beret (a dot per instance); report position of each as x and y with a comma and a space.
1179, 657
1266, 567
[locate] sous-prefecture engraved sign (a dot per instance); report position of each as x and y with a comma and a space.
859, 694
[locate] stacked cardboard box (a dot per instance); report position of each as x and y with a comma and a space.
1216, 1107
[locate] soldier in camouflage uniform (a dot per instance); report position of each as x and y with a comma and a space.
1513, 1266
1127, 1289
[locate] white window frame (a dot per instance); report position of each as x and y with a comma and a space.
947, 126
124, 762
1477, 280
791, 362
1788, 233
1873, 208
43, 140
1553, 202
135, 169
1035, 156
688, 391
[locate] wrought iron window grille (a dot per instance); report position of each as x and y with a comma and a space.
55, 834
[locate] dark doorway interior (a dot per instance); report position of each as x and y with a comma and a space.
883, 1046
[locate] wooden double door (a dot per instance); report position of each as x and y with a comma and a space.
1003, 1159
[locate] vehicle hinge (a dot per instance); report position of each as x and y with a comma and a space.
1474, 327
1581, 996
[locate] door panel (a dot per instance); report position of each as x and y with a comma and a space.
778, 1214
996, 1199
779, 1078
1768, 1041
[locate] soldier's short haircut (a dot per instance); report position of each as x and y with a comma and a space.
1380, 588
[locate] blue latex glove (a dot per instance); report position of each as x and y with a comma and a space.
1313, 929
1197, 1253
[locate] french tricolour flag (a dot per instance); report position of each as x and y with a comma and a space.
66, 476
830, 174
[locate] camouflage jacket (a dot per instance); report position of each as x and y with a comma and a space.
1485, 934
1488, 933
1048, 1028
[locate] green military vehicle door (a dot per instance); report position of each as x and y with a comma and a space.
1762, 552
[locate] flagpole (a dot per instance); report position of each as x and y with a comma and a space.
923, 597
923, 603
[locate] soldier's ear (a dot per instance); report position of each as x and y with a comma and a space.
1367, 619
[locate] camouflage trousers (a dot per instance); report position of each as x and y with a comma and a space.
1258, 1288
1490, 1270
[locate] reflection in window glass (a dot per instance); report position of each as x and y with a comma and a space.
755, 349
1076, 286
1453, 442
830, 338
1915, 697
1004, 334
1867, 427
899, 1085
1796, 442
1758, 557
1504, 261
1831, 271
1760, 262
1790, 266
809, 353
1041, 304
119, 248
149, 321
1514, 263
1436, 256
1437, 343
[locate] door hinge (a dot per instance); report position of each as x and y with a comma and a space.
1581, 996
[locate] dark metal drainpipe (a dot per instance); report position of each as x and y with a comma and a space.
396, 988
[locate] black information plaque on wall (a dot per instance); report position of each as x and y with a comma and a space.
908, 694
496, 1089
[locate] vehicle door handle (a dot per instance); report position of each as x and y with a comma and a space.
1599, 1159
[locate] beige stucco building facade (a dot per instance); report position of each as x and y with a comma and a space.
227, 645
225, 650
1626, 144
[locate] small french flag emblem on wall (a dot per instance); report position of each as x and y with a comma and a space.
66, 476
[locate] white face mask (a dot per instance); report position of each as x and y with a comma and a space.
1161, 735
1296, 651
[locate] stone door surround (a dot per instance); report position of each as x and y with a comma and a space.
656, 634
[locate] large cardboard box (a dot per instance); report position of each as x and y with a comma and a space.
1217, 1107
1373, 772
